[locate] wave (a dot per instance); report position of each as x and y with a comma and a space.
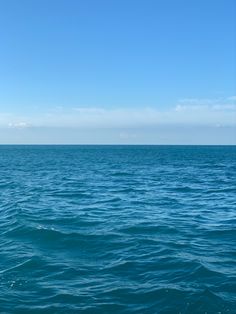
127, 231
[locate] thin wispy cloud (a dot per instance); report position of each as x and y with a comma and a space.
19, 125
223, 101
186, 112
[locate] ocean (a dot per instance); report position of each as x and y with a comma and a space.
118, 229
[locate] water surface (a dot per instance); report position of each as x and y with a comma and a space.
117, 229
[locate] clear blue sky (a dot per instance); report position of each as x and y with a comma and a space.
116, 58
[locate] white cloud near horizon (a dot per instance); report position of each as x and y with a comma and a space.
19, 125
184, 113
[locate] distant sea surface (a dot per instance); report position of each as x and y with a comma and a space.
118, 229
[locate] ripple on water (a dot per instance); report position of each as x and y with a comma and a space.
103, 229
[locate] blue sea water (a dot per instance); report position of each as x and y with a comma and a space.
118, 229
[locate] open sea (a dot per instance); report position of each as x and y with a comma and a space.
118, 229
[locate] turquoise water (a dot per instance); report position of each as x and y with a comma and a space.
118, 229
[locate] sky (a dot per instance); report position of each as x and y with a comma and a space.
117, 72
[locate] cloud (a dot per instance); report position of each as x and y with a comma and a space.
198, 101
18, 125
188, 111
215, 107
